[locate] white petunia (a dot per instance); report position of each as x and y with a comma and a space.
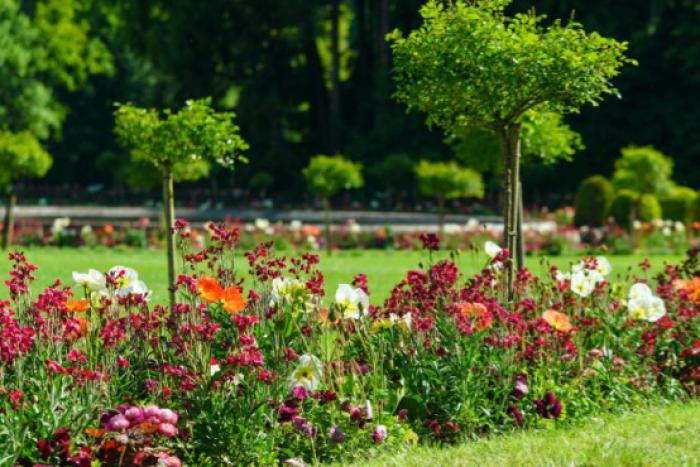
639, 291
583, 284
647, 308
123, 276
492, 249
603, 266
93, 280
560, 276
352, 301
307, 374
135, 287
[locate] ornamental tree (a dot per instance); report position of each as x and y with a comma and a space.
21, 155
447, 180
173, 142
326, 176
470, 65
643, 170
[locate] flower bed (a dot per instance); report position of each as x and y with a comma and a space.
261, 372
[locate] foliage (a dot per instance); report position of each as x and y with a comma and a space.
470, 65
545, 139
649, 208
678, 205
447, 180
328, 175
21, 155
696, 208
45, 48
621, 208
183, 142
643, 170
395, 172
593, 199
262, 371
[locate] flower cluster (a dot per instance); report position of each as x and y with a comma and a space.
261, 367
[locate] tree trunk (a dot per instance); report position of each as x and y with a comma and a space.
520, 256
335, 78
169, 220
510, 138
10, 201
327, 222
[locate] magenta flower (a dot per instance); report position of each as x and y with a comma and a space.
118, 423
167, 429
167, 416
549, 406
379, 434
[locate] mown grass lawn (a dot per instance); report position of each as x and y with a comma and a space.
383, 268
660, 436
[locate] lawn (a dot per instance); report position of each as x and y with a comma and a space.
383, 268
659, 436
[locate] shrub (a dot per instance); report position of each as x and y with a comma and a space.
593, 199
621, 207
648, 208
696, 207
677, 206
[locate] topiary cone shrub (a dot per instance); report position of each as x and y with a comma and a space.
678, 205
648, 208
593, 199
621, 207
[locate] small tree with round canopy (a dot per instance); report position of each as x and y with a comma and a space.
21, 156
326, 176
173, 142
471, 65
445, 181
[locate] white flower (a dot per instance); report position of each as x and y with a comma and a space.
583, 283
287, 290
658, 223
401, 321
93, 280
85, 230
214, 369
472, 223
562, 276
451, 229
123, 276
59, 224
262, 224
647, 308
354, 227
639, 291
636, 225
351, 301
492, 249
666, 231
679, 226
135, 287
295, 226
307, 374
97, 298
603, 266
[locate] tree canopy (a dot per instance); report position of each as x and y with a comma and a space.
327, 175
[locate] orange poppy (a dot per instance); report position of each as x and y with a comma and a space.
76, 306
95, 432
108, 229
209, 289
692, 287
478, 313
232, 299
558, 321
83, 326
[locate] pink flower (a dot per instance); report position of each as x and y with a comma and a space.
134, 414
151, 410
379, 434
167, 416
167, 429
118, 423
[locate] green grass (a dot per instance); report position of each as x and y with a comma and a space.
662, 436
383, 268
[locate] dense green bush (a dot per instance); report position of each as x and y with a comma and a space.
695, 211
621, 207
677, 206
648, 208
593, 199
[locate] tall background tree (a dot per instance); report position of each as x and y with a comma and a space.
46, 50
471, 65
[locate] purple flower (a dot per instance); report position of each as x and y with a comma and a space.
379, 434
516, 413
549, 406
337, 436
521, 388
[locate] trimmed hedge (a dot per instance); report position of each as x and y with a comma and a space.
678, 205
593, 199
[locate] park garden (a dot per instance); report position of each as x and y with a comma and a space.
472, 303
